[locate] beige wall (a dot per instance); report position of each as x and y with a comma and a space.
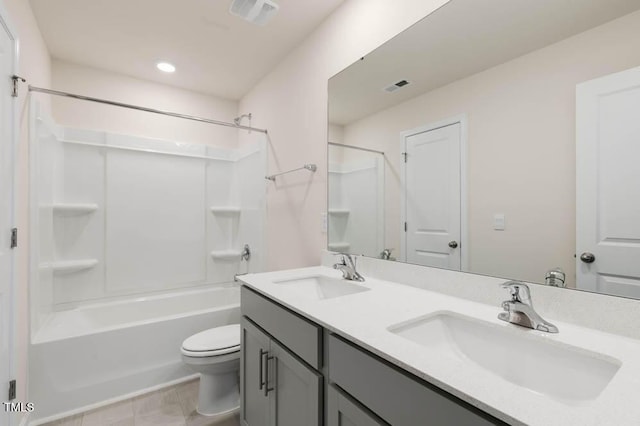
521, 148
97, 83
335, 133
34, 65
291, 102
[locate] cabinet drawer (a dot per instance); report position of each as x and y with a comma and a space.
301, 336
395, 396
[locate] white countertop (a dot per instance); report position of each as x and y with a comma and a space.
363, 318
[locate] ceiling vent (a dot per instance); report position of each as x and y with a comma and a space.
255, 11
395, 86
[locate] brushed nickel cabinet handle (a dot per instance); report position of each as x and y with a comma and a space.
267, 389
261, 369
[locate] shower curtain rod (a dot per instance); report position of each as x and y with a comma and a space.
139, 108
357, 147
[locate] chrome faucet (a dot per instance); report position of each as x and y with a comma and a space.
519, 310
386, 254
347, 265
555, 278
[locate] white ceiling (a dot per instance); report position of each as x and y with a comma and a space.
460, 39
213, 51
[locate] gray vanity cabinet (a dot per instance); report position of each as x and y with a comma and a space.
289, 363
278, 388
255, 346
297, 390
396, 397
344, 411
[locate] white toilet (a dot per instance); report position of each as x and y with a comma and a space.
215, 354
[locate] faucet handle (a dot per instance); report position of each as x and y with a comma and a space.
519, 291
346, 259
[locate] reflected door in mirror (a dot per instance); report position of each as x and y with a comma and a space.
608, 184
432, 196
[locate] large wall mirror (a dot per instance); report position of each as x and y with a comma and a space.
497, 137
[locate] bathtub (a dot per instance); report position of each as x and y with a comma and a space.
95, 354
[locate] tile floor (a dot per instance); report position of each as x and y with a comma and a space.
174, 406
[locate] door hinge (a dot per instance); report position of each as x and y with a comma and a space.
14, 238
12, 390
405, 227
405, 155
16, 81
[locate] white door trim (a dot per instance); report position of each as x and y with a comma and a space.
5, 23
464, 216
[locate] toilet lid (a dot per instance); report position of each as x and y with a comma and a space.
216, 341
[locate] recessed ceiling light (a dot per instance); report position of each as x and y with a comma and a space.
166, 67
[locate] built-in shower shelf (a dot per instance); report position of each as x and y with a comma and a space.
226, 210
74, 209
339, 246
227, 255
63, 267
339, 212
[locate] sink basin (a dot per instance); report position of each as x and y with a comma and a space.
322, 287
515, 354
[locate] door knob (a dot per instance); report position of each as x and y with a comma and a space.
453, 244
587, 257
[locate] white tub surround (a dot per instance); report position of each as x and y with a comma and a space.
97, 354
121, 271
364, 318
116, 215
356, 202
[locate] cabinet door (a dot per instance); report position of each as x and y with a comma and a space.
395, 396
343, 411
254, 401
295, 398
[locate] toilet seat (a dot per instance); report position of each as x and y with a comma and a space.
213, 342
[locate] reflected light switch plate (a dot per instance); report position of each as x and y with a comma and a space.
498, 222
323, 226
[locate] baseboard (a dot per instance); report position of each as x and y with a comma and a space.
25, 420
